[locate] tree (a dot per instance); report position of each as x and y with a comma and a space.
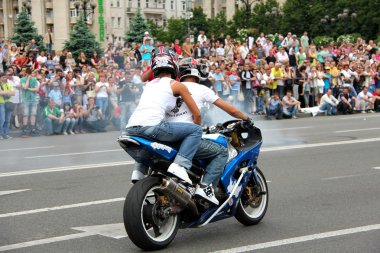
262, 22
25, 30
137, 28
199, 20
176, 29
82, 40
218, 24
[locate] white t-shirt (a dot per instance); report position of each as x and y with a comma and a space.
220, 51
14, 82
102, 93
361, 95
201, 95
156, 100
41, 59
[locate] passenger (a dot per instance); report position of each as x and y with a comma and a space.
159, 98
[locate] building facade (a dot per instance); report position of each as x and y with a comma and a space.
57, 15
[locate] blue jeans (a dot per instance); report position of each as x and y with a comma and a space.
189, 134
103, 104
330, 110
68, 124
291, 111
217, 156
53, 126
2, 118
126, 110
277, 112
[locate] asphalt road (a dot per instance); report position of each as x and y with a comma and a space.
323, 185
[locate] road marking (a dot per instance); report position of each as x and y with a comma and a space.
358, 130
376, 168
291, 128
17, 149
115, 231
58, 169
55, 208
70, 154
300, 239
314, 145
349, 176
360, 117
2, 193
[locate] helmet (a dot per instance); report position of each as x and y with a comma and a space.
190, 72
164, 59
203, 68
187, 63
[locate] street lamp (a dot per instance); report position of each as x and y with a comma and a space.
248, 7
27, 5
86, 6
346, 17
275, 12
326, 21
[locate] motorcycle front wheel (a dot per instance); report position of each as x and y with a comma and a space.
146, 218
253, 202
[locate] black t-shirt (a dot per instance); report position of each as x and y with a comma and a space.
346, 96
120, 61
126, 95
269, 59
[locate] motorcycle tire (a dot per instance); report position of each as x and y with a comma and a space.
138, 225
252, 213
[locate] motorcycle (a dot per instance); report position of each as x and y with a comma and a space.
157, 206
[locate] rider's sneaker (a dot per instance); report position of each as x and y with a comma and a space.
179, 172
207, 193
136, 176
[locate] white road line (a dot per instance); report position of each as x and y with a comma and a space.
290, 128
44, 241
314, 145
349, 176
58, 169
376, 168
300, 239
55, 208
70, 154
358, 130
17, 149
2, 193
361, 116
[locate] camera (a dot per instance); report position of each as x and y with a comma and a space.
97, 107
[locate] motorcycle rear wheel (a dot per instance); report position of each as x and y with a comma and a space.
146, 229
253, 203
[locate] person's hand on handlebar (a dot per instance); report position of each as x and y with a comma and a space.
248, 123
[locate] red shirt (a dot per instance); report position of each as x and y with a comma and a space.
178, 49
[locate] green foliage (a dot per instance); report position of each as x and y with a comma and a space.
262, 22
199, 20
349, 38
137, 28
237, 22
82, 40
25, 30
322, 40
218, 24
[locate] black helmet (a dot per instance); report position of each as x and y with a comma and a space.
164, 59
190, 72
203, 68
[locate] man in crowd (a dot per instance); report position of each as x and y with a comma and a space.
54, 118
365, 101
93, 117
376, 97
290, 105
274, 107
329, 103
347, 101
30, 88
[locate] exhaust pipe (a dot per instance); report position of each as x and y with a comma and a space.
171, 188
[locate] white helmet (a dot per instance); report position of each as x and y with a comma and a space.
190, 72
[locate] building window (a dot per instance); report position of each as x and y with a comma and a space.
172, 5
163, 4
129, 20
119, 22
130, 3
138, 3
118, 3
113, 22
183, 5
73, 13
164, 23
147, 4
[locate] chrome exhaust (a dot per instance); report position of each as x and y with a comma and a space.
180, 194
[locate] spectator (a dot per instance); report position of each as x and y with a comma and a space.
56, 94
93, 117
82, 60
6, 106
69, 120
30, 88
202, 37
49, 40
146, 50
274, 107
365, 101
329, 103
102, 89
347, 102
290, 105
54, 118
187, 48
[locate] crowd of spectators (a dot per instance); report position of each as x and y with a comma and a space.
56, 93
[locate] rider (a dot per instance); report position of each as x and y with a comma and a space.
208, 150
158, 98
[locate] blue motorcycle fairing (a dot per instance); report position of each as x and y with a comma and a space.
163, 150
217, 138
